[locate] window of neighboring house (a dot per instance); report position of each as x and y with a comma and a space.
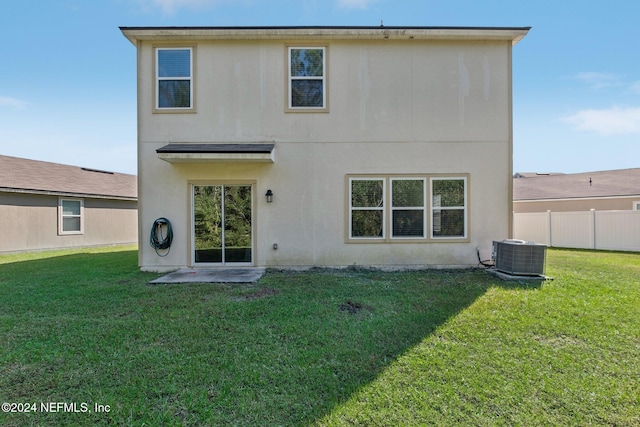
70, 216
307, 78
636, 206
410, 206
174, 75
448, 207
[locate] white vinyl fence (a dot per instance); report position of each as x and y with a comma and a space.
611, 230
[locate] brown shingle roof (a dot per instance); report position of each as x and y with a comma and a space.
621, 182
34, 176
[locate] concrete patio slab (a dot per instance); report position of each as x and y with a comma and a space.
211, 275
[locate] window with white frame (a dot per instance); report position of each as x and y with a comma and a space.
366, 212
636, 206
448, 207
70, 216
307, 78
405, 208
174, 78
408, 208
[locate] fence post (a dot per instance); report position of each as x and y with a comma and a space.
592, 231
549, 243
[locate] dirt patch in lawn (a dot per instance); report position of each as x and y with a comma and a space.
353, 307
259, 293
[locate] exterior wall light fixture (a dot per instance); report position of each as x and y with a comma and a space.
269, 196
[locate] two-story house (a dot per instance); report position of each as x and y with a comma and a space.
324, 146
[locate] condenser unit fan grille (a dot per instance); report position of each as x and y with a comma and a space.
519, 258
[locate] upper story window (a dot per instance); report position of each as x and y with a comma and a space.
174, 78
70, 216
307, 78
636, 206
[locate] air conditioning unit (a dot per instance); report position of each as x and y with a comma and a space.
518, 257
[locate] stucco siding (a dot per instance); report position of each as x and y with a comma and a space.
307, 219
394, 108
377, 92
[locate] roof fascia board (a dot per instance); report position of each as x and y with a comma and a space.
226, 147
135, 34
65, 194
216, 157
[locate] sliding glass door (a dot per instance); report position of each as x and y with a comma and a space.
222, 224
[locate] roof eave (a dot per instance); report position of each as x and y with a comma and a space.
67, 194
135, 34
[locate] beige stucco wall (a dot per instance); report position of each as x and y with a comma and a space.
32, 223
395, 107
378, 91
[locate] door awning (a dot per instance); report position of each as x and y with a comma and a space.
203, 152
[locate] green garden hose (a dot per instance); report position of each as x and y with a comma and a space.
157, 240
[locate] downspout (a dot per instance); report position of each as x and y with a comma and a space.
510, 170
141, 238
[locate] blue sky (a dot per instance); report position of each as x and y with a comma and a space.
67, 75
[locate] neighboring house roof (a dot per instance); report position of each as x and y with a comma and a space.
514, 34
612, 183
33, 176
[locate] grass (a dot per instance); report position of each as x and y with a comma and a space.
321, 347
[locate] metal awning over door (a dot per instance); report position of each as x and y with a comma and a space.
204, 152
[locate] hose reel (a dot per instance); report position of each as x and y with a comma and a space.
160, 240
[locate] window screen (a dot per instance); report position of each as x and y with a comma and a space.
70, 212
307, 78
407, 206
367, 208
174, 88
448, 207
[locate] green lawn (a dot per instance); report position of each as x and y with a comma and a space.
320, 347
